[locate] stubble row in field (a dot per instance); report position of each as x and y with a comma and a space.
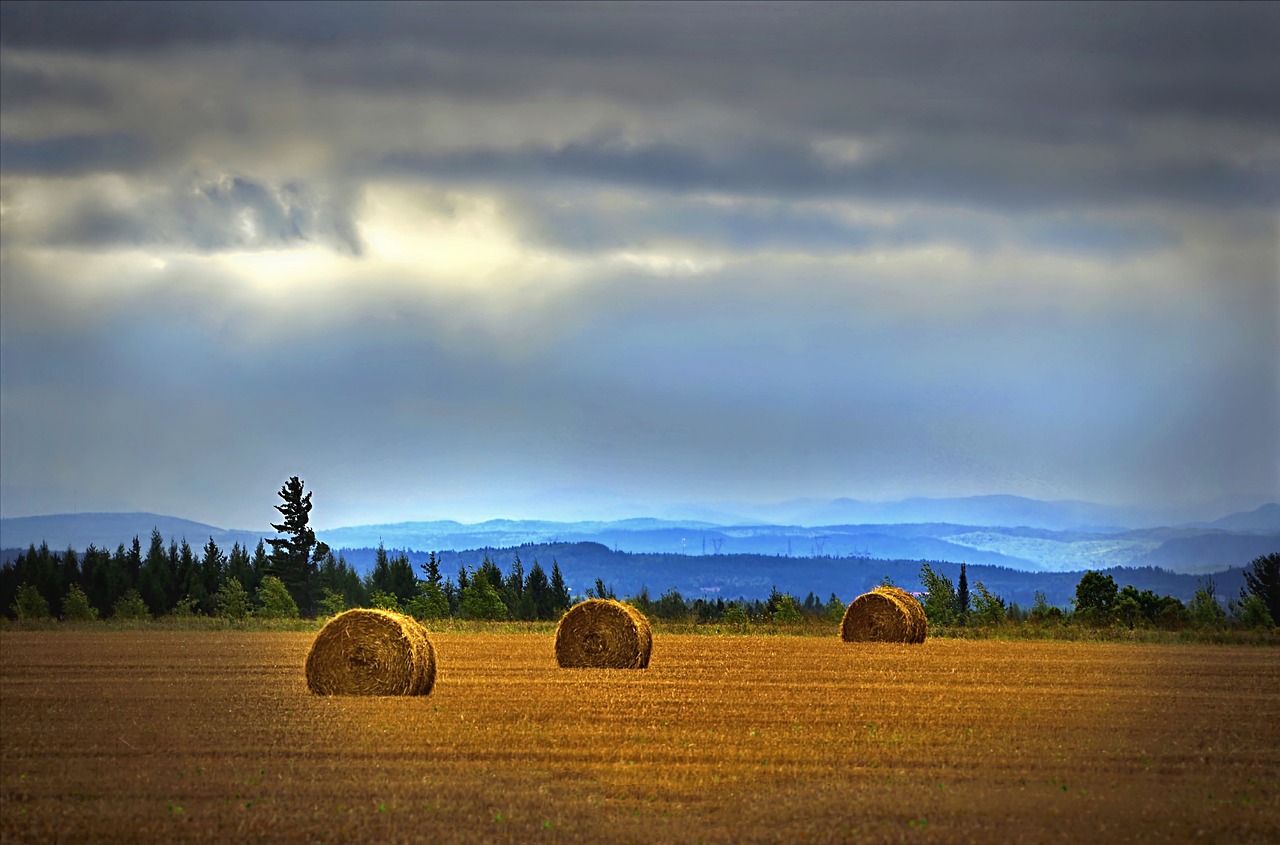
181, 736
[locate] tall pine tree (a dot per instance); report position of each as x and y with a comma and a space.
294, 556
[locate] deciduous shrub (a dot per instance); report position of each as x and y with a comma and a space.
232, 600
76, 607
274, 600
30, 604
130, 606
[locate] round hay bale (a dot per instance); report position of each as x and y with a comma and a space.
603, 634
919, 621
880, 616
371, 652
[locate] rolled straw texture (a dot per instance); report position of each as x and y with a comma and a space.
371, 652
919, 621
603, 634
881, 616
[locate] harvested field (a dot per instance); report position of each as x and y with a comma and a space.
122, 736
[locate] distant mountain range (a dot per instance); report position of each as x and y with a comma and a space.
1039, 536
995, 510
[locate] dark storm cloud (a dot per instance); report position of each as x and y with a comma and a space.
22, 87
933, 170
1046, 57
1011, 105
65, 155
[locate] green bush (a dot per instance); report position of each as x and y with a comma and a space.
481, 601
429, 603
988, 608
185, 608
274, 601
30, 604
332, 603
735, 616
1251, 612
76, 607
385, 601
1205, 610
232, 600
785, 610
130, 606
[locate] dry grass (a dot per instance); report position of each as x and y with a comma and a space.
157, 736
603, 634
371, 652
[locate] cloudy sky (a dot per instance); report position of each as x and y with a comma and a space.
584, 260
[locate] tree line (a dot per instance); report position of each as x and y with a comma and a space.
174, 580
301, 577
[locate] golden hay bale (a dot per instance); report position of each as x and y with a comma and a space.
603, 634
371, 652
882, 616
919, 621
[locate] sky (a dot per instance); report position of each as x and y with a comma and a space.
577, 260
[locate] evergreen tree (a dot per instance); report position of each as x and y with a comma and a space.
187, 581
380, 576
559, 591
157, 579
68, 570
40, 569
962, 595
133, 565
600, 591
212, 566
354, 593
98, 573
480, 599
431, 571
261, 564
491, 573
404, 584
513, 588
120, 580
239, 566
538, 600
295, 555
453, 595
431, 602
